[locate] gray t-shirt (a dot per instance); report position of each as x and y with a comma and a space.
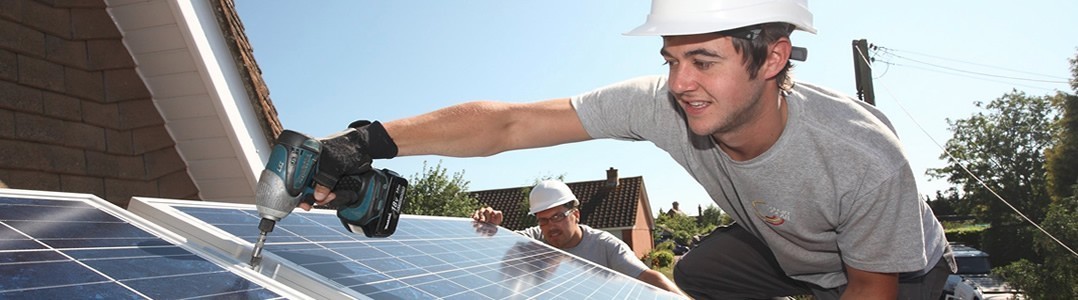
835, 188
599, 247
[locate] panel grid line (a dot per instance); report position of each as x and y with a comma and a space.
59, 245
36, 288
84, 265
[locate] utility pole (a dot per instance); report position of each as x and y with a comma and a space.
862, 71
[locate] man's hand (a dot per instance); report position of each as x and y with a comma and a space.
659, 280
349, 152
485, 229
488, 215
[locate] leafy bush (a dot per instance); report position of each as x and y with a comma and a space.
966, 234
667, 245
663, 258
659, 259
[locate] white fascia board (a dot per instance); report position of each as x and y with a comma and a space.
214, 59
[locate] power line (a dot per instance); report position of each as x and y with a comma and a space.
892, 50
978, 73
889, 52
888, 63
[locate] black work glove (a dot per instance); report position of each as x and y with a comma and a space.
350, 152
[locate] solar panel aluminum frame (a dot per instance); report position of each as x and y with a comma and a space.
238, 251
158, 231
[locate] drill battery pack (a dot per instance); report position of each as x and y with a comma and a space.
377, 198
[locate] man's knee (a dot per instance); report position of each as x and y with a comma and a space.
683, 269
706, 268
731, 263
686, 276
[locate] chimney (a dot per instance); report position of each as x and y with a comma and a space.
612, 178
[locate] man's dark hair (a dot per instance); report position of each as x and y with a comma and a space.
753, 41
571, 204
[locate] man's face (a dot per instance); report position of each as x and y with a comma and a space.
559, 226
711, 83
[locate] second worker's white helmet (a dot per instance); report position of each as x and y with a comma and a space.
548, 194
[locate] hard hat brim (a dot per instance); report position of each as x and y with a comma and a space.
651, 28
554, 204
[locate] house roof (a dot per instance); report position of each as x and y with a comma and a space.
198, 66
601, 207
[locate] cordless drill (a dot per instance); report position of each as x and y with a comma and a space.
369, 202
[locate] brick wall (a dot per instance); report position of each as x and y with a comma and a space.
640, 234
74, 114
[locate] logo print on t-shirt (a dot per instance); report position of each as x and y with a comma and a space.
770, 214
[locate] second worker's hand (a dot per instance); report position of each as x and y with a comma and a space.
488, 215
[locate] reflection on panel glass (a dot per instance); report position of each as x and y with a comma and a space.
62, 249
430, 257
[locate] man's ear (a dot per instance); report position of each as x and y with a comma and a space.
778, 55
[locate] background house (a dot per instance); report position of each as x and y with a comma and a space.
120, 98
616, 205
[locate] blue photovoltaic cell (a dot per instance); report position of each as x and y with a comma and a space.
56, 249
426, 257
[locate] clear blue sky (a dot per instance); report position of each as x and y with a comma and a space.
330, 62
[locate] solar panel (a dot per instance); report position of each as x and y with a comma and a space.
427, 257
60, 245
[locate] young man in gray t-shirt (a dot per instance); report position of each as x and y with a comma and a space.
819, 185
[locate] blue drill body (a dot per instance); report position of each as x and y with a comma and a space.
370, 202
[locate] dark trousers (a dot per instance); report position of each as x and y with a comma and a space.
731, 263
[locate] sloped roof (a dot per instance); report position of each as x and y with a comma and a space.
600, 206
197, 64
244, 57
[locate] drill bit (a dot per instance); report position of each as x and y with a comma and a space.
256, 254
265, 226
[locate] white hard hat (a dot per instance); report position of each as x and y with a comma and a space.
685, 17
548, 194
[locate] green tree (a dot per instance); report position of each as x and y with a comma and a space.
945, 202
1063, 158
683, 228
1004, 147
434, 193
714, 216
1057, 276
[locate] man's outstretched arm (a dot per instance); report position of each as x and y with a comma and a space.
487, 128
466, 130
